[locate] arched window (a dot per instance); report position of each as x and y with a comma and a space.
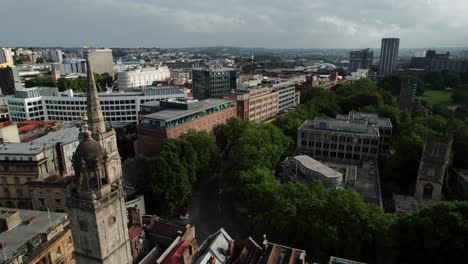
427, 194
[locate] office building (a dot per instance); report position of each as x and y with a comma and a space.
256, 104
71, 67
360, 59
6, 56
288, 97
102, 61
142, 77
388, 56
96, 199
35, 237
437, 62
53, 55
305, 169
348, 138
46, 103
9, 79
213, 82
459, 183
175, 117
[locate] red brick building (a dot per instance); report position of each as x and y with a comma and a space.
176, 117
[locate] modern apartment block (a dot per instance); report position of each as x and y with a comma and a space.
288, 97
53, 55
437, 62
350, 139
46, 103
256, 104
142, 77
35, 237
213, 82
101, 61
389, 55
6, 56
176, 117
360, 59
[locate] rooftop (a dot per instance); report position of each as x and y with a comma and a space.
217, 246
18, 236
370, 118
335, 260
462, 173
406, 203
317, 166
67, 134
173, 114
340, 125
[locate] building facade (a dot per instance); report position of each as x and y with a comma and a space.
45, 103
305, 169
6, 56
35, 237
288, 97
9, 79
459, 182
433, 167
71, 67
214, 82
407, 97
257, 104
142, 77
360, 59
177, 117
388, 56
338, 140
53, 55
96, 199
102, 61
437, 62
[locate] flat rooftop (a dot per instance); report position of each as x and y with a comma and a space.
68, 133
317, 166
20, 235
339, 126
173, 114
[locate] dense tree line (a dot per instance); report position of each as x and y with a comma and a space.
78, 84
333, 222
170, 174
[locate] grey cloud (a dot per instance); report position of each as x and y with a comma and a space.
273, 23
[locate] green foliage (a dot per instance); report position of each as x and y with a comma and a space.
437, 234
289, 123
39, 81
434, 97
208, 158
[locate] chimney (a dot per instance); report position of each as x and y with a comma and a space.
231, 248
212, 260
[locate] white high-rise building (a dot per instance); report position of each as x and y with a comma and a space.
53, 55
6, 56
389, 55
102, 61
142, 77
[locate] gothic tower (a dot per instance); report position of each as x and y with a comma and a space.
95, 200
434, 161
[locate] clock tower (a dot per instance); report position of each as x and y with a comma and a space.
95, 200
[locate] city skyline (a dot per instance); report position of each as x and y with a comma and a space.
272, 24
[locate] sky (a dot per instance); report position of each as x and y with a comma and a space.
243, 23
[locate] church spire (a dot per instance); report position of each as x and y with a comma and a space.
95, 117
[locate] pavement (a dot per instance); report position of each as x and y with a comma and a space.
212, 207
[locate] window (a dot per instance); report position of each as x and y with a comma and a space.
427, 194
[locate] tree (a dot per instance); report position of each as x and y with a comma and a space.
437, 234
40, 60
208, 159
39, 81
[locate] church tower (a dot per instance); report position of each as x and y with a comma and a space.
95, 200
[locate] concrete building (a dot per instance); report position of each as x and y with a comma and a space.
142, 77
71, 67
53, 55
305, 169
256, 104
176, 117
288, 97
214, 82
459, 182
384, 126
360, 59
6, 56
437, 62
35, 237
46, 103
101, 61
33, 174
348, 138
9, 133
9, 79
388, 56
96, 199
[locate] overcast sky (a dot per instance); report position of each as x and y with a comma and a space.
246, 23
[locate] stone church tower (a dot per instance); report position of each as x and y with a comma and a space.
95, 200
434, 161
